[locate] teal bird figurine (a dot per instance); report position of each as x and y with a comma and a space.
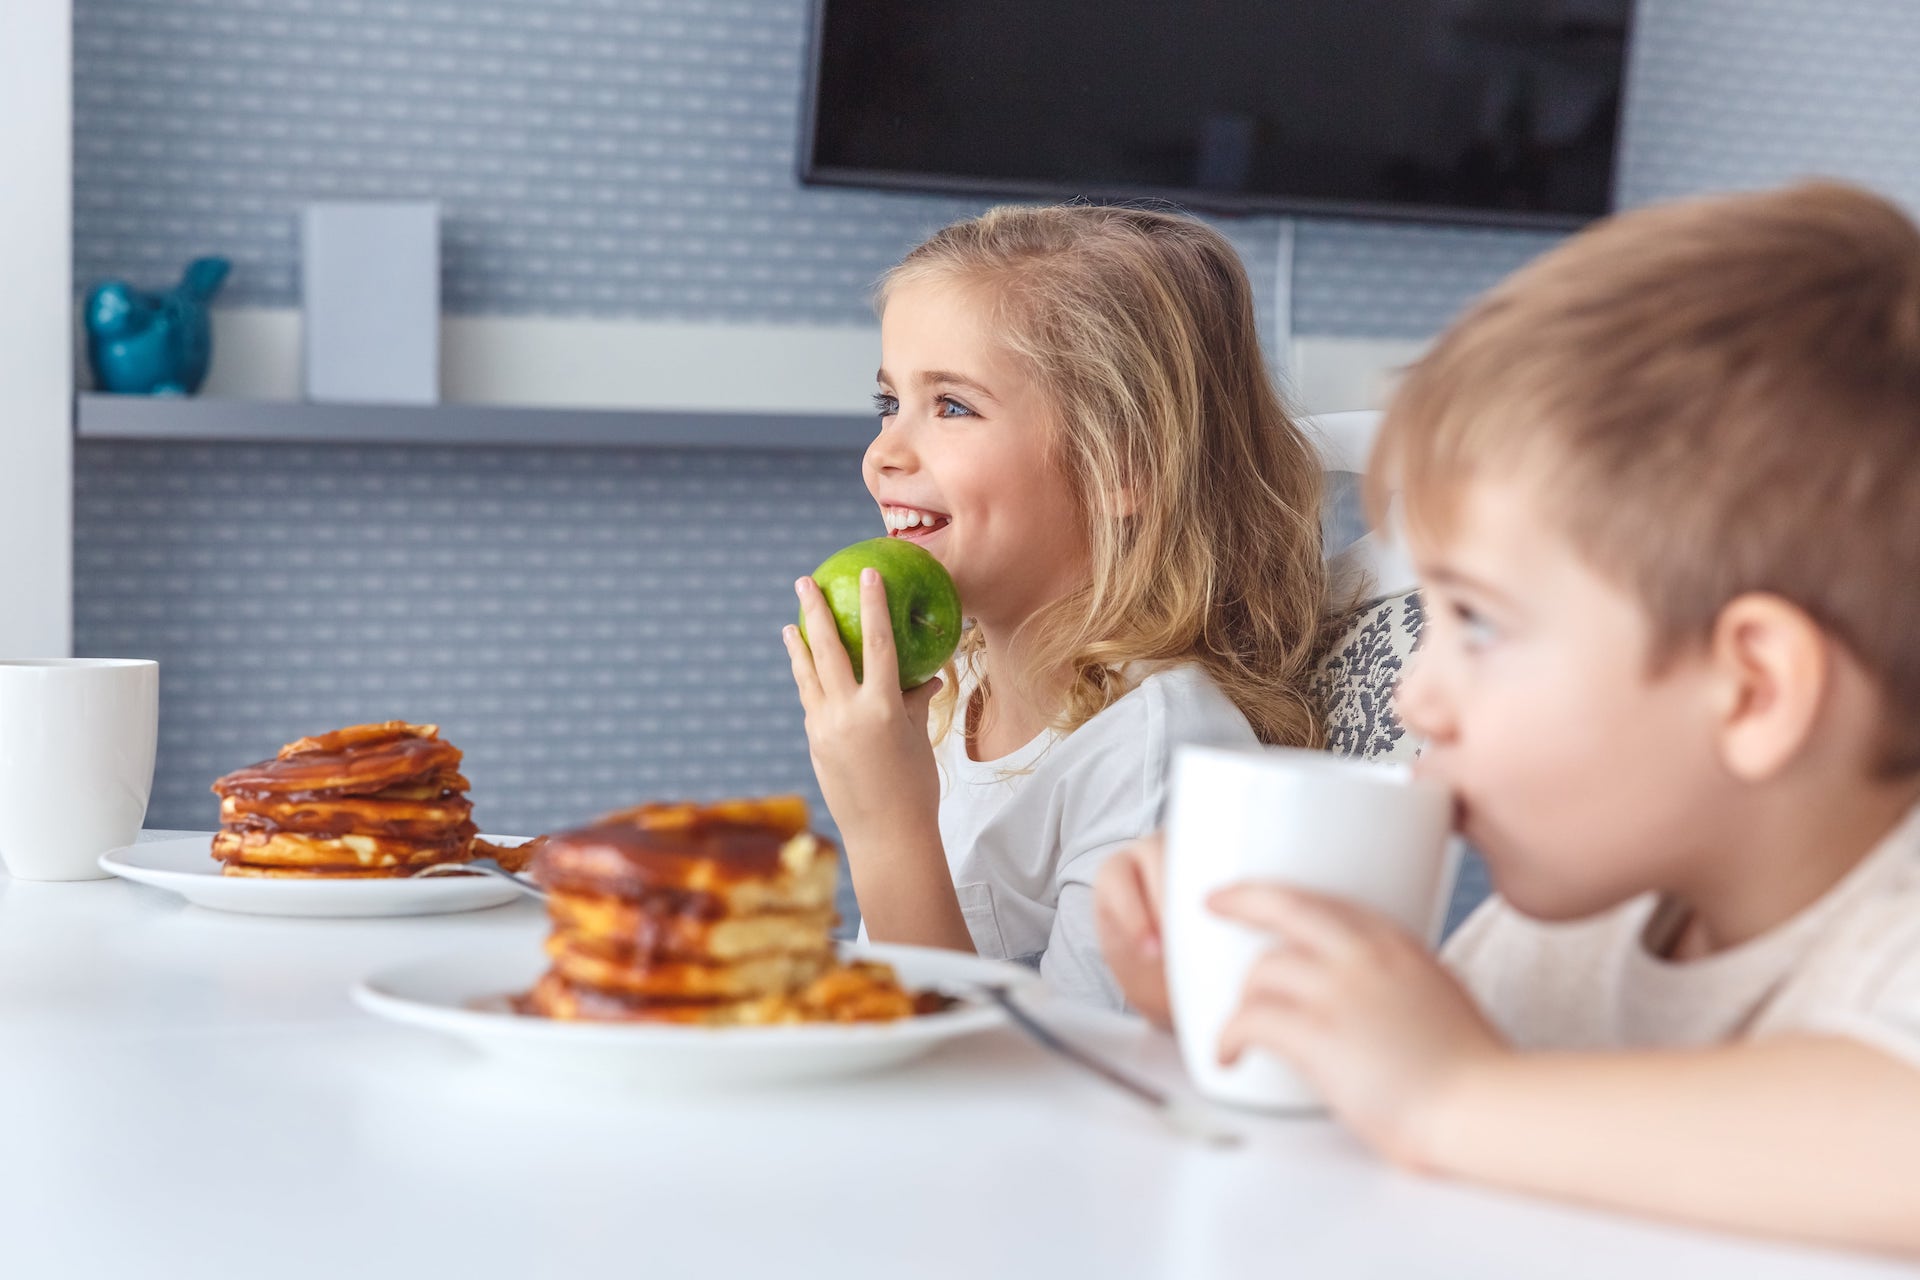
153, 343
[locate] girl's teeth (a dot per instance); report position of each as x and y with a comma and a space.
903, 520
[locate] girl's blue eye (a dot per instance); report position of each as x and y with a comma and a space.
959, 410
885, 405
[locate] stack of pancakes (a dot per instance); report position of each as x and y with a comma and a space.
369, 801
715, 915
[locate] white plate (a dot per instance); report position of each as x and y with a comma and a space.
186, 867
465, 996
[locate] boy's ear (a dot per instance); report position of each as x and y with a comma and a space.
1772, 666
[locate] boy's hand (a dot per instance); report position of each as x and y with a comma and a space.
1127, 895
868, 740
1360, 1009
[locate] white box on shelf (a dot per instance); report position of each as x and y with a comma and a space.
371, 288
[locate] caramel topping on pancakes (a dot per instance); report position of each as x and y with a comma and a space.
369, 799
360, 760
712, 915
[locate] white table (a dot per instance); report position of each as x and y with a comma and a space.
188, 1093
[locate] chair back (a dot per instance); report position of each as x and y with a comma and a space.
1355, 681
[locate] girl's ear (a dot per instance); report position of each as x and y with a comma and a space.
1773, 668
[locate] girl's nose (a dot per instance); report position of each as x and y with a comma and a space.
891, 452
1421, 703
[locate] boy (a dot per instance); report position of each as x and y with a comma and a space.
1663, 489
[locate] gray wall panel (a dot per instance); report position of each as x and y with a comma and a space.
595, 627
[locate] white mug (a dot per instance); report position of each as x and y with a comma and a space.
77, 740
1369, 833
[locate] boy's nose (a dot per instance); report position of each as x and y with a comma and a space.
1420, 705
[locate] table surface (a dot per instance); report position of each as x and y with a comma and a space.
186, 1092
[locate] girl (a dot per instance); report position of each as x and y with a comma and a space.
1076, 419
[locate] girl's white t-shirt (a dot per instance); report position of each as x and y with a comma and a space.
1024, 834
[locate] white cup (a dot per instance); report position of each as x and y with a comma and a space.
77, 740
1369, 833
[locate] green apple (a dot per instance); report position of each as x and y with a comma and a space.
921, 603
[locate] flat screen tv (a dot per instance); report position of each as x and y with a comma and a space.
1496, 111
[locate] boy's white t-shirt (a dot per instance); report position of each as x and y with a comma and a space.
1848, 965
1024, 834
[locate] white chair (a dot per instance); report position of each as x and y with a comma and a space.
1345, 441
1356, 679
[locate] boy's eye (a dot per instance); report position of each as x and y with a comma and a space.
885, 405
1477, 632
948, 402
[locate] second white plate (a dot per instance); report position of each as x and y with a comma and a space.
187, 867
465, 996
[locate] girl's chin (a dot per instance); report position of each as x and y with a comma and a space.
931, 541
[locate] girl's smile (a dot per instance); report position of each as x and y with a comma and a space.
915, 524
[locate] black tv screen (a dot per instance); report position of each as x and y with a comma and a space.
1503, 111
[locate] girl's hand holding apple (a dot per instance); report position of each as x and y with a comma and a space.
868, 739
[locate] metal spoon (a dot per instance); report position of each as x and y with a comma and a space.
486, 866
1183, 1117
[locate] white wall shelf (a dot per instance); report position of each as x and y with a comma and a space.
100, 416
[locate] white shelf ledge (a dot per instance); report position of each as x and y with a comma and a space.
100, 416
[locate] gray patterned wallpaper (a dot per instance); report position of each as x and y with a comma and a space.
594, 627
597, 627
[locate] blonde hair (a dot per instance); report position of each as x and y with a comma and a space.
1201, 496
1713, 397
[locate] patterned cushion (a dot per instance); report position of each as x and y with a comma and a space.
1355, 681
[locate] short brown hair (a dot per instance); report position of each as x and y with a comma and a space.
1716, 396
